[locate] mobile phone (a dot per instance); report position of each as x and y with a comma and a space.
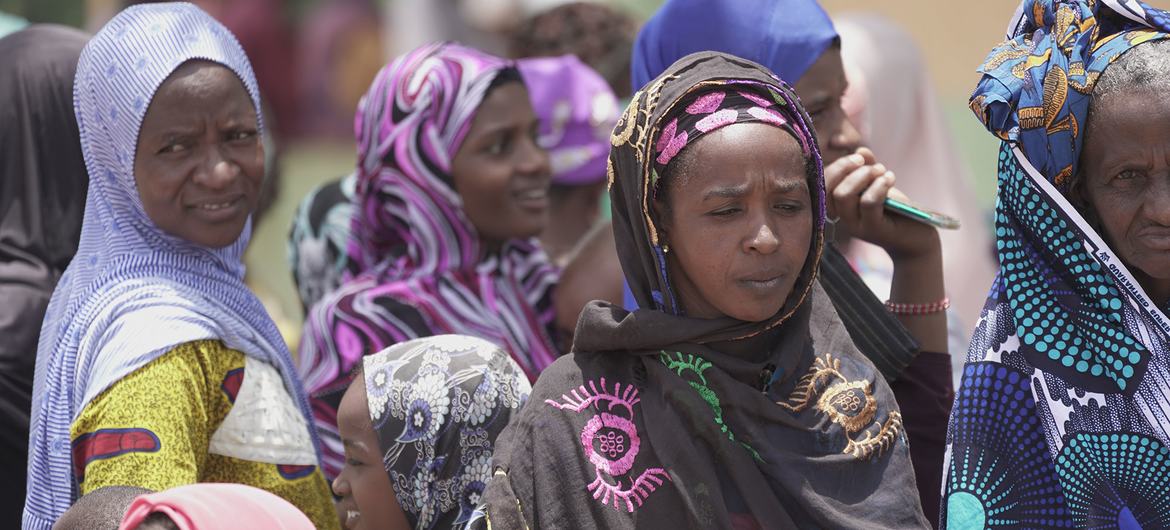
922, 215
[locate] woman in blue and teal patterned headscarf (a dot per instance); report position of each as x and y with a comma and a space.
1061, 420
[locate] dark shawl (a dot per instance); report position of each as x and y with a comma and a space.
649, 424
42, 196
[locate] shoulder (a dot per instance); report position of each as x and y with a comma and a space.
575, 369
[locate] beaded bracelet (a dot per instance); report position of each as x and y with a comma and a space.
918, 309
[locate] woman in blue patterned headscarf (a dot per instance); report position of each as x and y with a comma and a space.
156, 366
1062, 417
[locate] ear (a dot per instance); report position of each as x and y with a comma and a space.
662, 220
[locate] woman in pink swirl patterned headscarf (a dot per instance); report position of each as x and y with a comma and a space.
451, 190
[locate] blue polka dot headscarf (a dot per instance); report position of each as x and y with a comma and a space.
1065, 397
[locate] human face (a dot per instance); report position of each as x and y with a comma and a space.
738, 221
500, 172
367, 499
1125, 165
820, 91
199, 162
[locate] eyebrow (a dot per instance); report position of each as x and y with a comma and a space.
736, 192
355, 444
503, 128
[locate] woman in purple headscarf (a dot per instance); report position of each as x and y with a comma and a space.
451, 189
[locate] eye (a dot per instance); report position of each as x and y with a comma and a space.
499, 146
1129, 174
789, 207
353, 463
173, 147
242, 135
725, 212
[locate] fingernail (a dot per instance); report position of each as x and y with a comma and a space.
880, 168
857, 159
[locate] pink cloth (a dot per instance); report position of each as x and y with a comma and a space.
893, 104
212, 506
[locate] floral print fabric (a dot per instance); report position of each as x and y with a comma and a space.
438, 405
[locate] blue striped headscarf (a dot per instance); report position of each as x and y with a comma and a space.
134, 292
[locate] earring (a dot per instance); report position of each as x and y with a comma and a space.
665, 248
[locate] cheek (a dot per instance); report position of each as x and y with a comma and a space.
1115, 211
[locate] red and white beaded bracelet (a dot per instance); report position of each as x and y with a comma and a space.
918, 309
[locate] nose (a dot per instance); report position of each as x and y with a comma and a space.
341, 486
532, 159
763, 241
1156, 203
844, 137
218, 171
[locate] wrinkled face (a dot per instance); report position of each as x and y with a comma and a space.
500, 172
1125, 167
820, 90
738, 218
367, 498
199, 162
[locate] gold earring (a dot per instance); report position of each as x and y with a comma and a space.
665, 248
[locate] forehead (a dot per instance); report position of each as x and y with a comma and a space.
827, 74
204, 80
742, 148
505, 103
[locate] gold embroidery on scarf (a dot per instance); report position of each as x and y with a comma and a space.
874, 445
609, 174
849, 404
806, 388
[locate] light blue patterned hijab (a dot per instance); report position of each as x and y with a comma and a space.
134, 292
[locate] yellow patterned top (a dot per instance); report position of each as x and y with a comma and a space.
152, 430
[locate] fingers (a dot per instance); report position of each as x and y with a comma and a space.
872, 203
841, 168
866, 155
847, 195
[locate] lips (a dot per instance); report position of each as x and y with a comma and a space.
532, 198
218, 209
765, 282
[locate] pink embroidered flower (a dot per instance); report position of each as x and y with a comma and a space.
767, 115
717, 120
707, 103
668, 144
757, 99
611, 443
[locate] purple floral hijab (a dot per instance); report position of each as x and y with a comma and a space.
422, 270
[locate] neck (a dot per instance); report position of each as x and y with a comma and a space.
751, 349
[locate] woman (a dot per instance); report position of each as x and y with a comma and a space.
797, 40
1061, 418
42, 185
451, 189
156, 366
400, 474
736, 398
893, 104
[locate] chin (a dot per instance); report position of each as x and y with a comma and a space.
756, 314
